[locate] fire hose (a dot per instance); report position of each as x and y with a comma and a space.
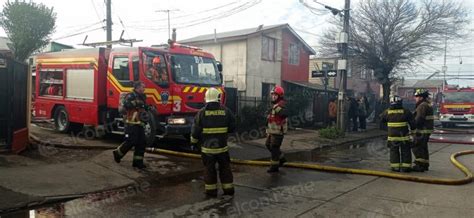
441, 181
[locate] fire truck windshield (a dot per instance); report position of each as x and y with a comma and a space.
188, 69
459, 97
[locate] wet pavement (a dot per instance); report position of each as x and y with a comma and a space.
290, 193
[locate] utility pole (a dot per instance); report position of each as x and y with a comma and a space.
169, 22
342, 41
445, 68
109, 22
343, 67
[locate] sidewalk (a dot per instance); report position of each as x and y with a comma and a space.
306, 140
28, 182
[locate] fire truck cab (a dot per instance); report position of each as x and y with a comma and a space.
457, 106
83, 87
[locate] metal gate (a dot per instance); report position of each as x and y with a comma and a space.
13, 105
231, 99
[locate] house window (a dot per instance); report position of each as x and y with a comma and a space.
363, 73
294, 54
266, 89
229, 83
268, 48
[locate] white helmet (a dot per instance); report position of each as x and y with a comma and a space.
212, 95
396, 100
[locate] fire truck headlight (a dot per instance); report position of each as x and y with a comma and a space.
176, 121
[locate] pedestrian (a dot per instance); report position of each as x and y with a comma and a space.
135, 108
398, 120
353, 110
362, 114
424, 127
332, 108
210, 132
277, 126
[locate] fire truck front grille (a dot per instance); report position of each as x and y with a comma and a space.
195, 105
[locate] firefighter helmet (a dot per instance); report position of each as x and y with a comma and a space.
278, 90
212, 95
156, 60
421, 92
395, 100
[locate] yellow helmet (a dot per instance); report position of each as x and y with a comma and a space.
212, 95
421, 92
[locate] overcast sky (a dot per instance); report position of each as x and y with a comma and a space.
141, 20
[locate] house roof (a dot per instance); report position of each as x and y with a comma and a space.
313, 86
428, 83
4, 43
243, 33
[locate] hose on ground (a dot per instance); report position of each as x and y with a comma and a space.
441, 181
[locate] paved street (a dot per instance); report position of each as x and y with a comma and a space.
299, 193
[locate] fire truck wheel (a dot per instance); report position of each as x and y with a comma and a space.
61, 120
150, 129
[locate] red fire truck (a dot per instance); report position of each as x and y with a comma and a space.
457, 106
83, 87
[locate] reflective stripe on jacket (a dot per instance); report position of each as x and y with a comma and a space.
399, 120
277, 121
424, 119
211, 127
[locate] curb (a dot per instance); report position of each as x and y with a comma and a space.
34, 138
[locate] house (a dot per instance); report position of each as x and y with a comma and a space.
405, 88
4, 49
257, 59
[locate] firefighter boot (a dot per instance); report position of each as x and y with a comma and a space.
117, 156
282, 161
418, 168
228, 190
405, 170
139, 165
273, 169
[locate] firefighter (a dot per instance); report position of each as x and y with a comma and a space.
423, 128
157, 73
210, 131
277, 126
398, 121
136, 114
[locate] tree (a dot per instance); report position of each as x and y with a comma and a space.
28, 25
390, 36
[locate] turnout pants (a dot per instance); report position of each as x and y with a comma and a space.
222, 160
420, 150
400, 154
273, 144
134, 137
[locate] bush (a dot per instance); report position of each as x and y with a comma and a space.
330, 133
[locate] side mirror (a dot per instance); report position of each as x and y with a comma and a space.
219, 66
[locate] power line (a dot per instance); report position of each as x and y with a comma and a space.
82, 28
95, 9
187, 15
195, 22
75, 34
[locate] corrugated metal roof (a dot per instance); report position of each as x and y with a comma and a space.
209, 38
235, 33
312, 86
428, 83
3, 43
